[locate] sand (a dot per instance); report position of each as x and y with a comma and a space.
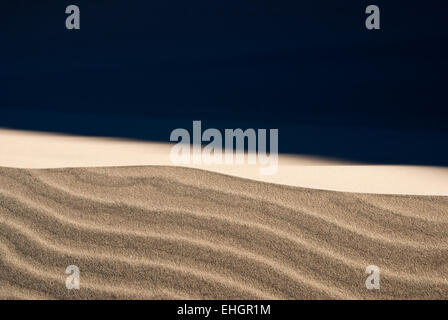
160, 232
28, 149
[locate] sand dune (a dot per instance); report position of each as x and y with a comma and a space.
159, 232
23, 149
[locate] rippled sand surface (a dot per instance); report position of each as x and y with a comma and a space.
155, 232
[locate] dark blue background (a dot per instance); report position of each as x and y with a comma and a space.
282, 64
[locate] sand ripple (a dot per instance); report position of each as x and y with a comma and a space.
178, 233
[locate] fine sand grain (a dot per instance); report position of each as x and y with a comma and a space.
159, 232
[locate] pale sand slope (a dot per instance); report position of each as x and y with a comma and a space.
170, 232
22, 149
